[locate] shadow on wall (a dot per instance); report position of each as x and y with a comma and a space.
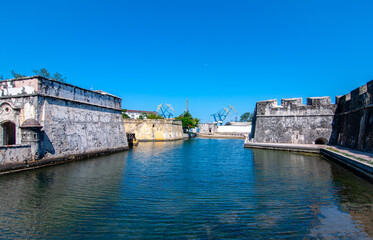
47, 145
335, 125
353, 122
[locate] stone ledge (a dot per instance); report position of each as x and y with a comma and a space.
28, 165
361, 168
15, 146
346, 157
307, 148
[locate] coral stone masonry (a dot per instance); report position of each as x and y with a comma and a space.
56, 120
292, 122
353, 124
348, 123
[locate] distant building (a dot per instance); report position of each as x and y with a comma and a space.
230, 128
135, 114
235, 128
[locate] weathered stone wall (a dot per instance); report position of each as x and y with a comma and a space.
208, 128
293, 122
154, 129
71, 127
353, 124
14, 154
74, 120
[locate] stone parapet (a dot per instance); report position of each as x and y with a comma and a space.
353, 124
14, 154
294, 106
36, 85
361, 97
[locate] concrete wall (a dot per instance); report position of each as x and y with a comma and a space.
74, 120
235, 129
292, 122
154, 130
353, 125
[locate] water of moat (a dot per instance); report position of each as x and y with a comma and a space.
195, 189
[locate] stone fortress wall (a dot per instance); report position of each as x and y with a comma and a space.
292, 122
154, 129
353, 123
72, 120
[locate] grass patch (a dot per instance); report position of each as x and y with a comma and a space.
349, 155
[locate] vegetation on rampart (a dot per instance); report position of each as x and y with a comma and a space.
188, 121
40, 72
150, 116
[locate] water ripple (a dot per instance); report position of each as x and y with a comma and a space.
198, 189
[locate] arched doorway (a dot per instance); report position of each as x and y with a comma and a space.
321, 141
9, 133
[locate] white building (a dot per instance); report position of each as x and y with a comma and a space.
135, 114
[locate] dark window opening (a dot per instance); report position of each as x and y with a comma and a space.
321, 141
9, 133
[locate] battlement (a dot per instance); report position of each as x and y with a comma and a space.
294, 106
359, 98
286, 102
36, 85
319, 101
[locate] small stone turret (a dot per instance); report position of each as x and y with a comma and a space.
31, 134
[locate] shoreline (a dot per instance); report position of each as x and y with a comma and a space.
31, 165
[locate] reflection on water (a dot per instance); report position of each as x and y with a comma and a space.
196, 189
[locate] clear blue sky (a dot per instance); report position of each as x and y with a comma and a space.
214, 53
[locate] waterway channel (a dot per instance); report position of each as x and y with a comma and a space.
195, 189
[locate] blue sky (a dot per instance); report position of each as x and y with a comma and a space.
214, 53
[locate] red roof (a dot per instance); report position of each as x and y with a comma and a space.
139, 111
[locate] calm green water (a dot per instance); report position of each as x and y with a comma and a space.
196, 189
